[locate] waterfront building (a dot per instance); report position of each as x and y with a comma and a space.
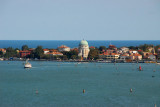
64, 48
55, 53
112, 47
83, 49
45, 51
110, 56
146, 55
24, 53
124, 56
3, 50
91, 47
109, 51
135, 56
124, 49
131, 52
158, 54
152, 57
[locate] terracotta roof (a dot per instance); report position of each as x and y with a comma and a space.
55, 53
108, 53
112, 46
137, 55
63, 46
2, 49
92, 47
45, 49
53, 50
125, 55
74, 49
24, 51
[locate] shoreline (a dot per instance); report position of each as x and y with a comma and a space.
88, 61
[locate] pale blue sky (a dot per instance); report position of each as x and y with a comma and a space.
78, 19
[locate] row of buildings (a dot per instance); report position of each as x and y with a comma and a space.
83, 50
111, 53
125, 53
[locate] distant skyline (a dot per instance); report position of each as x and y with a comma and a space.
79, 19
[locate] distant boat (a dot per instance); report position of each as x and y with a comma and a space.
158, 63
140, 68
1, 59
27, 64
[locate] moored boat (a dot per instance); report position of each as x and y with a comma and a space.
158, 63
27, 64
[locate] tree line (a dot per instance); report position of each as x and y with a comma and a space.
93, 54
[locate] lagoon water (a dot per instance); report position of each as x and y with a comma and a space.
61, 84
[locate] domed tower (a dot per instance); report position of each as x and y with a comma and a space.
83, 49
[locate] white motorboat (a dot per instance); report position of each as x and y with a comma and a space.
1, 59
27, 64
158, 63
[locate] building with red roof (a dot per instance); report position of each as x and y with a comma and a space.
92, 47
3, 50
63, 48
24, 53
112, 47
45, 51
55, 53
135, 56
109, 56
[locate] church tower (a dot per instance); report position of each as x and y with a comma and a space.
83, 49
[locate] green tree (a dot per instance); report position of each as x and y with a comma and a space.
70, 54
73, 57
1, 54
25, 47
156, 48
93, 54
101, 48
133, 47
145, 47
10, 52
38, 52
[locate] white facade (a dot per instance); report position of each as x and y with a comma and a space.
45, 51
64, 48
124, 49
83, 49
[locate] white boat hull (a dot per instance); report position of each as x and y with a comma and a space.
27, 66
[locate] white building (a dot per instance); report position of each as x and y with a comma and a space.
45, 51
64, 48
124, 49
124, 56
83, 49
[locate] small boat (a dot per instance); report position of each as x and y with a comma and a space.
158, 63
1, 59
27, 64
140, 68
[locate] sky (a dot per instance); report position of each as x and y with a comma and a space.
79, 19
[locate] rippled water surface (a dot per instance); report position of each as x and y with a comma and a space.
61, 84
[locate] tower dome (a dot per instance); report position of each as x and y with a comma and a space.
83, 49
83, 42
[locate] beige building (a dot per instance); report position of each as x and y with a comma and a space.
136, 57
64, 48
83, 49
45, 51
109, 56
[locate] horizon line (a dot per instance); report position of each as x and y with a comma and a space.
78, 40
